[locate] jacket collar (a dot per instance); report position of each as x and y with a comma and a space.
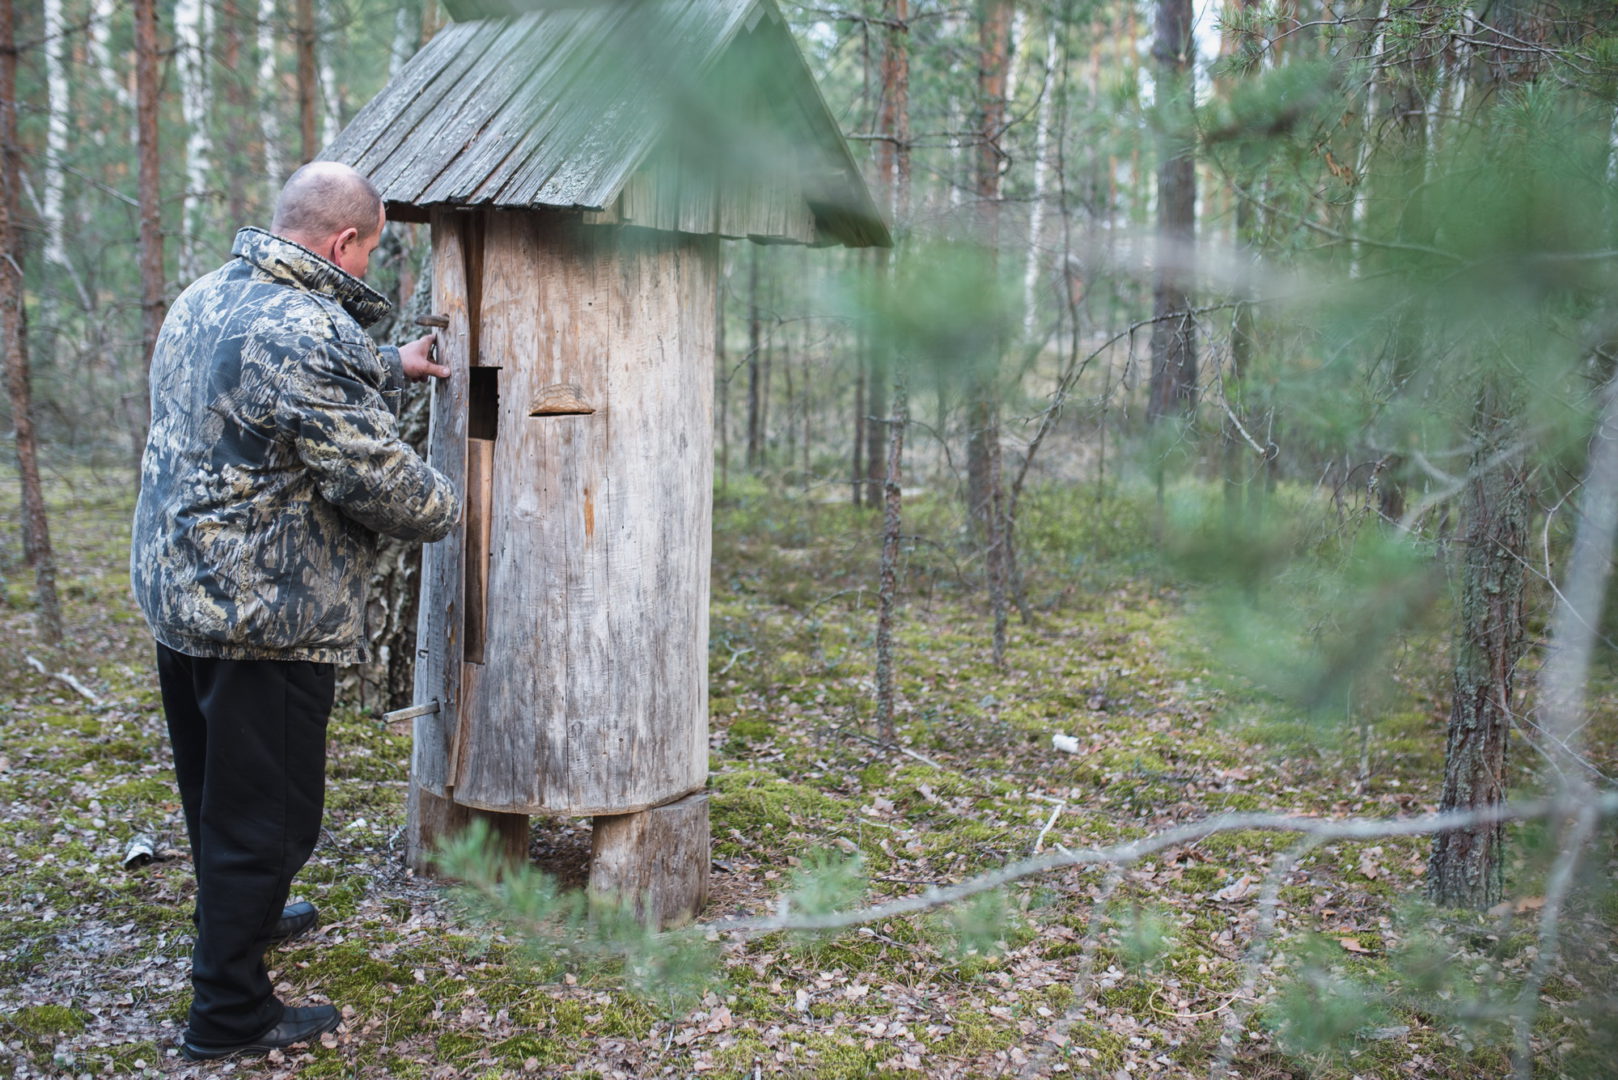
293, 264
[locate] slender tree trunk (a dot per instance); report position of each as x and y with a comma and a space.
862, 339
755, 406
191, 19
1466, 869
331, 91
984, 495
229, 35
722, 376
36, 529
57, 132
983, 401
268, 122
153, 305
308, 82
1174, 346
878, 376
888, 584
1036, 212
896, 179
101, 16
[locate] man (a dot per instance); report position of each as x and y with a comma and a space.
273, 463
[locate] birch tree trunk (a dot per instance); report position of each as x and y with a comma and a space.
99, 36
13, 329
58, 105
191, 34
1042, 163
269, 124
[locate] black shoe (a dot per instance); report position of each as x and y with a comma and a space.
298, 1024
296, 920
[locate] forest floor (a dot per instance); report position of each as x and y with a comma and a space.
1360, 981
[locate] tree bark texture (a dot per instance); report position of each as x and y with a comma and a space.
269, 129
152, 282
1466, 869
755, 359
655, 861
983, 394
430, 819
1174, 345
308, 82
36, 530
893, 180
888, 583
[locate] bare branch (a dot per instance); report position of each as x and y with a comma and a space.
1321, 830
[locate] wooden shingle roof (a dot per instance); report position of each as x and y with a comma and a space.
697, 115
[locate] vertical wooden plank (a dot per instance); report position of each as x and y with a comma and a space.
439, 624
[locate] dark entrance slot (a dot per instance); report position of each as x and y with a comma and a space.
482, 426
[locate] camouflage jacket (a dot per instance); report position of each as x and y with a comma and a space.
273, 462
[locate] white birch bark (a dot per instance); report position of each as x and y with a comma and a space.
102, 13
331, 121
192, 19
269, 129
1036, 213
53, 194
1362, 191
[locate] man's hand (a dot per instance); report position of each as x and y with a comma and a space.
417, 359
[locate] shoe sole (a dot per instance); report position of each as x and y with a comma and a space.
193, 1052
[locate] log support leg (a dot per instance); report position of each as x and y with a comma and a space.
431, 818
656, 859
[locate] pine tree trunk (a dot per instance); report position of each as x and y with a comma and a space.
229, 34
1174, 348
153, 305
895, 177
308, 82
36, 530
983, 400
1466, 869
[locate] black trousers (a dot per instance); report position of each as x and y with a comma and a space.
250, 758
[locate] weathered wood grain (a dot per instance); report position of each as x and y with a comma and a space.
594, 699
430, 818
563, 106
656, 860
440, 621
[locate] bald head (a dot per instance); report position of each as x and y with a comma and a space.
324, 198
